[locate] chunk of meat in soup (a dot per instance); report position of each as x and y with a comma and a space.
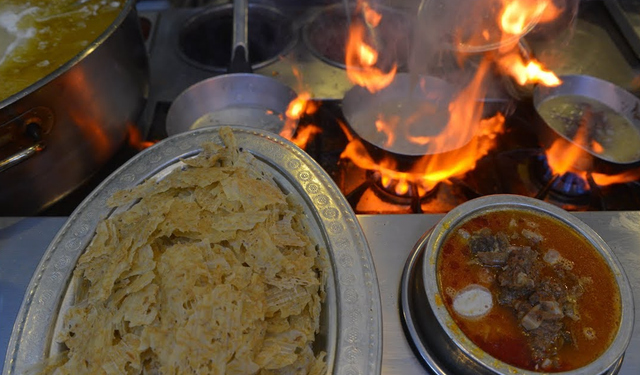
520, 275
489, 249
539, 303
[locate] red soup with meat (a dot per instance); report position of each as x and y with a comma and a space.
529, 290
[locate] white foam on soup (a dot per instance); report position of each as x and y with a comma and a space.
11, 35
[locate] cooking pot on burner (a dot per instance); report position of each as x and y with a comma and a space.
60, 130
396, 107
608, 115
415, 112
238, 98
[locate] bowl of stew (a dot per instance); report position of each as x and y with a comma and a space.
522, 286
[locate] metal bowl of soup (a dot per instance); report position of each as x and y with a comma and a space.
522, 286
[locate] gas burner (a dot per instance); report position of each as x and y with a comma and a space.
326, 35
367, 195
569, 186
400, 192
527, 172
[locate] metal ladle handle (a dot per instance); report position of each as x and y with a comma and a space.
240, 46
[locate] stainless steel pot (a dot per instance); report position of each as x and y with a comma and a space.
578, 93
465, 350
238, 98
57, 132
420, 108
405, 97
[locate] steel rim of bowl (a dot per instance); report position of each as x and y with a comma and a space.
500, 201
127, 8
226, 7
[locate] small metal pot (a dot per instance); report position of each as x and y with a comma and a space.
361, 108
468, 349
617, 99
238, 98
57, 132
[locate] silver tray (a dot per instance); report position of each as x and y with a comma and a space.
352, 313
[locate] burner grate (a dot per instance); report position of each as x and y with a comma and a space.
516, 166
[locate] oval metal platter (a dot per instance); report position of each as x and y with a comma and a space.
351, 321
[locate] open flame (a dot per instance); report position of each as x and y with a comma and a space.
428, 171
135, 138
454, 150
516, 17
361, 56
305, 134
447, 159
297, 106
563, 156
388, 126
300, 106
622, 178
530, 72
371, 17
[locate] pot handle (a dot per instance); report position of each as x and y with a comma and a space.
26, 130
20, 156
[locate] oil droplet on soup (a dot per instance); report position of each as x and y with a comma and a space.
551, 292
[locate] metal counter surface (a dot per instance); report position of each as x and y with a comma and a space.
391, 238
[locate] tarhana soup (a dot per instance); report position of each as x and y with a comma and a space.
529, 290
39, 36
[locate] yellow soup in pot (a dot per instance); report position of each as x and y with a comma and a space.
529, 290
39, 36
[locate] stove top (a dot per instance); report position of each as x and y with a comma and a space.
517, 164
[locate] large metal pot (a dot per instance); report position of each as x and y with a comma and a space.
57, 132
